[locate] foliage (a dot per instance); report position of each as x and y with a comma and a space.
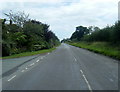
105, 40
23, 35
19, 18
79, 33
107, 34
29, 53
93, 34
100, 47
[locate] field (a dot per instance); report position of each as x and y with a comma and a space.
29, 53
100, 47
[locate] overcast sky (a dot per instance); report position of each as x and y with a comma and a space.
64, 15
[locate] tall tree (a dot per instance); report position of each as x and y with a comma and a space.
79, 33
18, 18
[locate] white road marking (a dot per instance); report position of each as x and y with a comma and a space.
12, 78
31, 64
86, 81
111, 80
37, 60
22, 70
26, 68
81, 71
75, 59
48, 53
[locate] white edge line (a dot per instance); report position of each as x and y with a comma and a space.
22, 70
12, 78
31, 64
26, 68
86, 81
37, 60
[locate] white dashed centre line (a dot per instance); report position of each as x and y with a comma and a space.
111, 80
75, 59
12, 78
86, 81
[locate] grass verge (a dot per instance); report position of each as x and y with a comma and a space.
28, 53
100, 47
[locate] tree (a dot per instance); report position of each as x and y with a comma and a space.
116, 33
3, 22
79, 33
109, 34
22, 35
18, 18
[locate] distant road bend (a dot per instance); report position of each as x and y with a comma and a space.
66, 68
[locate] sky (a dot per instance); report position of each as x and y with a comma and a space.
64, 16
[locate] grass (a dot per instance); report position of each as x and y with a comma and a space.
28, 53
100, 47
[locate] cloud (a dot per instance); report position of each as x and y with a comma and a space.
64, 15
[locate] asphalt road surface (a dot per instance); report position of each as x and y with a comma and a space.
66, 68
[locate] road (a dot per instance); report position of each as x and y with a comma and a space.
66, 68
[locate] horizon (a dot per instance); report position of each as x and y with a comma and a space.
64, 16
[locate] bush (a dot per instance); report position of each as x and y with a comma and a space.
5, 50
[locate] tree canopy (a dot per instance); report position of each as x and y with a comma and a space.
79, 33
92, 33
22, 34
